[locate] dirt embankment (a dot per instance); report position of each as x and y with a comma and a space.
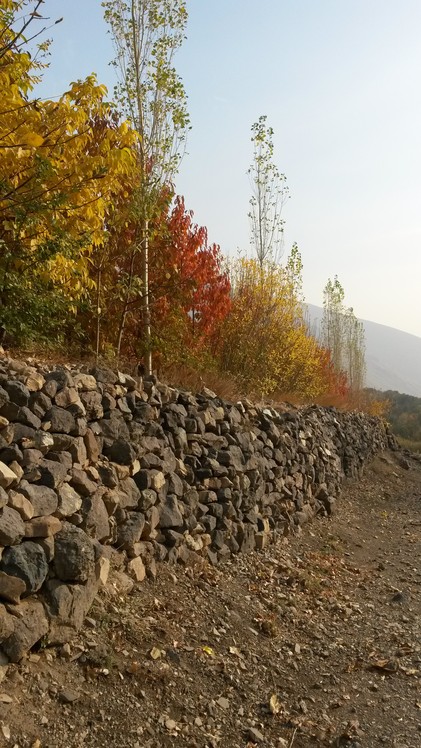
313, 642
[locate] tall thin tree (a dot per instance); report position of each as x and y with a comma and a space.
269, 195
147, 34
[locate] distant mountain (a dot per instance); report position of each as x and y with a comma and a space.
393, 357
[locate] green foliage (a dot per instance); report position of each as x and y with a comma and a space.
404, 413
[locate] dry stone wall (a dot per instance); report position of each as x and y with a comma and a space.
92, 463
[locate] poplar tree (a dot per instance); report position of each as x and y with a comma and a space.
146, 35
269, 195
343, 335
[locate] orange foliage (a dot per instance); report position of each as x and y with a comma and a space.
188, 283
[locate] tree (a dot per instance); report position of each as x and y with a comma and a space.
266, 346
61, 162
147, 34
332, 322
343, 335
269, 195
189, 289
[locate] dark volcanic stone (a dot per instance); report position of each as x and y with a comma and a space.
120, 451
43, 499
74, 554
62, 422
17, 392
28, 562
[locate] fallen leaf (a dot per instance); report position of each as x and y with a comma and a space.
274, 704
209, 651
156, 653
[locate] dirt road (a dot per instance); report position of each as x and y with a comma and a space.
315, 642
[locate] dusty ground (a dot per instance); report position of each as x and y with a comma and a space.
316, 642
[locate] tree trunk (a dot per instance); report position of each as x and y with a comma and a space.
146, 310
98, 312
126, 306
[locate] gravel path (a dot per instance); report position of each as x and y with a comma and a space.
314, 642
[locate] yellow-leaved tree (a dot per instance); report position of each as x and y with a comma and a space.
61, 162
266, 343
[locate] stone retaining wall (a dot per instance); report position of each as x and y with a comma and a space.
92, 463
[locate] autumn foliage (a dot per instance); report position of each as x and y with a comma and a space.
266, 342
73, 247
189, 289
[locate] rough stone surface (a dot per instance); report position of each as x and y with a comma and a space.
7, 476
68, 604
6, 624
69, 502
43, 499
169, 513
11, 588
157, 473
74, 555
42, 527
12, 528
28, 562
29, 628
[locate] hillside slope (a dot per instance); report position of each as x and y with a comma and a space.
393, 357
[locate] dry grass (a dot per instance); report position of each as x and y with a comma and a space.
413, 446
194, 380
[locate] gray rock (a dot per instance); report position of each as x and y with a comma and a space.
95, 515
82, 483
120, 451
12, 528
114, 427
39, 403
175, 485
69, 501
4, 397
6, 624
61, 420
11, 453
43, 499
131, 530
104, 375
17, 392
50, 388
255, 735
74, 555
21, 414
78, 451
61, 376
53, 473
170, 515
148, 498
93, 405
92, 446
245, 537
68, 605
28, 562
29, 628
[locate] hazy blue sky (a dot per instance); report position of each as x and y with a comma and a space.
340, 83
